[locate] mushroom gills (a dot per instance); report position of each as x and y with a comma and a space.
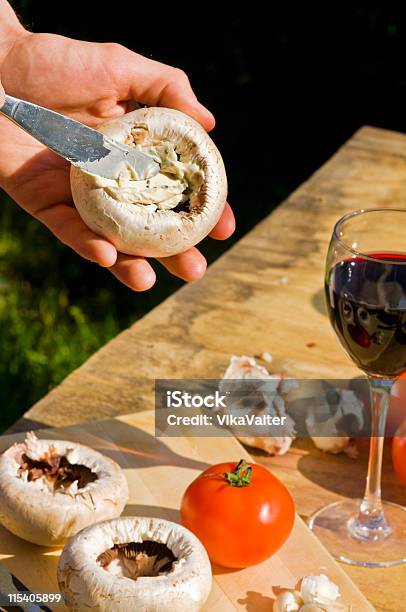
55, 470
136, 559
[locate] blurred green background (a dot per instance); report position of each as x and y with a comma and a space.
287, 85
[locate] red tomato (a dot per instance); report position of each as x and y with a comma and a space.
399, 453
241, 513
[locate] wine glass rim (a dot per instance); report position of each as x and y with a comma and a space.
356, 213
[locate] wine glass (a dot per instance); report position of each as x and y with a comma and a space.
365, 287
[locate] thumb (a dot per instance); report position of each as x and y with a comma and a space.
2, 94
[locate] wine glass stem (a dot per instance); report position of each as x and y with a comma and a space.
370, 524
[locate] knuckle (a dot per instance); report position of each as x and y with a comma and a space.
114, 48
180, 75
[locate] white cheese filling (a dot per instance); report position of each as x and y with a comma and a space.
172, 186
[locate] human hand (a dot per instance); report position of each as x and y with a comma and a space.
90, 82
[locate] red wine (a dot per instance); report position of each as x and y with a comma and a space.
366, 300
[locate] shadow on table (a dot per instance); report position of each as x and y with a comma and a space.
345, 476
35, 566
256, 602
160, 512
129, 446
318, 302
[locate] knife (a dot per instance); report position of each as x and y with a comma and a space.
10, 584
80, 145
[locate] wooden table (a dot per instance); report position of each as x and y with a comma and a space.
264, 294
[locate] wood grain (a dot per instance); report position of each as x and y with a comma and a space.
158, 471
244, 306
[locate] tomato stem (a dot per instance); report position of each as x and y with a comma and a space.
240, 476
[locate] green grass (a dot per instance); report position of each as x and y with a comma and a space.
48, 323
55, 310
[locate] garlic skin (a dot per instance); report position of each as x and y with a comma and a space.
86, 585
320, 430
288, 601
319, 589
266, 400
138, 218
34, 512
246, 368
317, 594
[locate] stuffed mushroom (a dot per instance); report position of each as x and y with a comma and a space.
51, 489
134, 563
164, 214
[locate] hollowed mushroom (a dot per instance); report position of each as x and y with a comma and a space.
51, 489
133, 563
169, 212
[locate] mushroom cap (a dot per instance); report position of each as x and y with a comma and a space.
132, 228
33, 512
86, 585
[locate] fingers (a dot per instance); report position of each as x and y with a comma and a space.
189, 266
135, 272
155, 84
64, 221
225, 225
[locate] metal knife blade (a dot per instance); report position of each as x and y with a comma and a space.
80, 145
10, 584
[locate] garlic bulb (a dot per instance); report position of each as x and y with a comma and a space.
135, 564
328, 432
51, 489
169, 212
266, 397
317, 594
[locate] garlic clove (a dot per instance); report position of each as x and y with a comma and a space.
335, 607
333, 445
328, 431
319, 589
273, 445
288, 601
266, 398
246, 368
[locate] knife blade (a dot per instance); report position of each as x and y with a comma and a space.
81, 145
11, 584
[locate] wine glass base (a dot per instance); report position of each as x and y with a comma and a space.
331, 525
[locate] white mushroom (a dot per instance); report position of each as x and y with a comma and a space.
128, 564
51, 489
265, 397
165, 214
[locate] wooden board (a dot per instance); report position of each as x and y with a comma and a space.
158, 471
244, 306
